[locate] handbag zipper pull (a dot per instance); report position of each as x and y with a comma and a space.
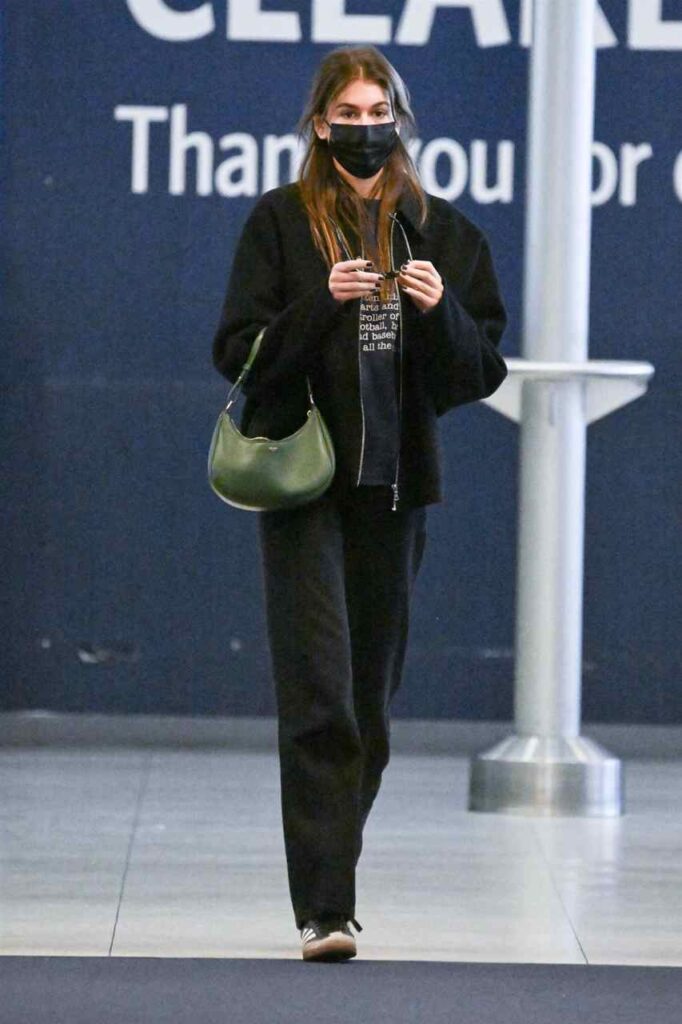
395, 496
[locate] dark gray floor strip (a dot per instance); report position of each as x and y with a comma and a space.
149, 990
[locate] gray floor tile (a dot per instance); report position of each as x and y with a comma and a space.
620, 880
66, 825
76, 924
192, 840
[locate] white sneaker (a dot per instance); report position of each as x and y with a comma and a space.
329, 939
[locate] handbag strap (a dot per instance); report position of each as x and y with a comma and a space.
246, 368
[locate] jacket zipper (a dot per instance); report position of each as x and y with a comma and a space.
394, 485
362, 404
395, 221
362, 409
400, 403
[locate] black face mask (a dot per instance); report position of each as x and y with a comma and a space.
362, 149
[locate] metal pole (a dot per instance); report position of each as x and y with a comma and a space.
550, 561
547, 767
558, 181
556, 324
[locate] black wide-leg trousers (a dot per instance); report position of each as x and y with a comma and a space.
338, 575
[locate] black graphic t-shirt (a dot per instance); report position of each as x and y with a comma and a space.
378, 355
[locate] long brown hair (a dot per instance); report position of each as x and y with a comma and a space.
325, 193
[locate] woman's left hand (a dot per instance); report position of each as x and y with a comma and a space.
422, 282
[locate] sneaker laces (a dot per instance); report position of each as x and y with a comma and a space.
341, 920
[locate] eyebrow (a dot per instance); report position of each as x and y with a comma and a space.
351, 106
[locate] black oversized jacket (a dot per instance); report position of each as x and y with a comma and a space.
449, 354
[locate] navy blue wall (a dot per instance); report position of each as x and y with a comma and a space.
128, 585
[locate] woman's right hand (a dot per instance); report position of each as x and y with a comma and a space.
352, 278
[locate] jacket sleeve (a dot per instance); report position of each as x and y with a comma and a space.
255, 298
463, 335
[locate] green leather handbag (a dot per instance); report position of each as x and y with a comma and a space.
261, 473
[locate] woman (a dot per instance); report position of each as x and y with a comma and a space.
386, 297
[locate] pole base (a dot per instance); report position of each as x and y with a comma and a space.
547, 775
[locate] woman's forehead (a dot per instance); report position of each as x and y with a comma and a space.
361, 94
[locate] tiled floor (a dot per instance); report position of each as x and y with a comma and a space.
138, 852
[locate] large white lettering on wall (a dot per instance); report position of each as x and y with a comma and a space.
239, 165
159, 19
487, 21
649, 30
236, 175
